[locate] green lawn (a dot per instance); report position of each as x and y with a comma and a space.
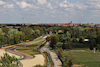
85, 56
29, 49
35, 40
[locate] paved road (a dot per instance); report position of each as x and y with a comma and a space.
26, 56
54, 57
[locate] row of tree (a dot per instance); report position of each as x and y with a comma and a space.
12, 36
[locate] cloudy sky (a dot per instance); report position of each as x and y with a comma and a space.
49, 11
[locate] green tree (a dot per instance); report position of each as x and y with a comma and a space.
98, 42
53, 42
22, 36
68, 36
8, 61
38, 32
93, 44
5, 30
27, 30
2, 37
98, 39
14, 36
63, 39
81, 39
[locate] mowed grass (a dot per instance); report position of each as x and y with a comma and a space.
35, 40
29, 49
85, 56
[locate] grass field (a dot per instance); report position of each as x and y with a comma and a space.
85, 57
29, 49
81, 54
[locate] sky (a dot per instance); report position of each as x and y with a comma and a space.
50, 11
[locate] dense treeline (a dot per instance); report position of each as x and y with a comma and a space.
77, 35
10, 36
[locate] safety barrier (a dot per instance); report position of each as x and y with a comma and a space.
12, 45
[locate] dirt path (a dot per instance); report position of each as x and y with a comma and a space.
2, 51
38, 60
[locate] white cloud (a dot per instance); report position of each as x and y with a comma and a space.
93, 5
49, 6
23, 4
42, 2
9, 6
62, 5
65, 1
70, 5
80, 6
93, 0
2, 2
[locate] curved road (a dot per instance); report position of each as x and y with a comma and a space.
25, 56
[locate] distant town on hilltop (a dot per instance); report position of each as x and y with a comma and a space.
62, 24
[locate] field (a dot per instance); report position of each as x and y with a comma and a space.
29, 49
81, 54
85, 57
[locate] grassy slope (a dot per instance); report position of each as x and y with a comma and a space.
29, 49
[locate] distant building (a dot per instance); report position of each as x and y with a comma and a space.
8, 26
66, 24
97, 25
50, 24
89, 25
76, 24
3, 25
80, 24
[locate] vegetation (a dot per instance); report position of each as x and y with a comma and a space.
8, 61
9, 36
63, 39
29, 49
53, 41
73, 38
84, 57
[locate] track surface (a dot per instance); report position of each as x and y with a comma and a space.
26, 56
